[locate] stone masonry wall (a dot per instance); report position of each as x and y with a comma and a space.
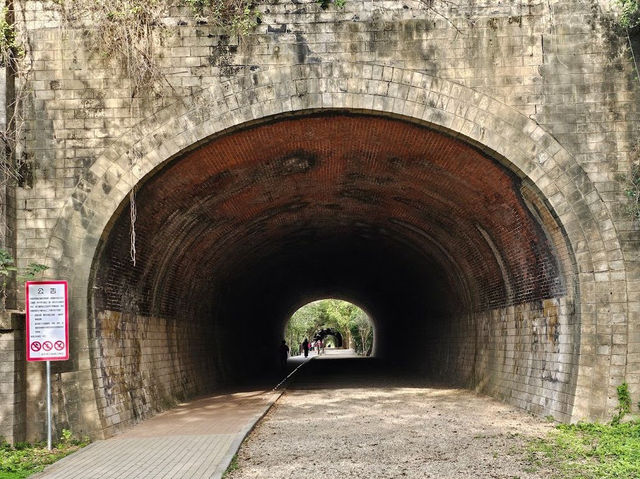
559, 64
12, 378
524, 354
148, 365
514, 53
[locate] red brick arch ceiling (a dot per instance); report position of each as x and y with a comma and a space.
374, 209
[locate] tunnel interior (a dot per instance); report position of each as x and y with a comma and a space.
463, 268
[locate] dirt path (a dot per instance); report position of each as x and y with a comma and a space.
344, 421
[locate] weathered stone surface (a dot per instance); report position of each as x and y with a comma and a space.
532, 245
12, 377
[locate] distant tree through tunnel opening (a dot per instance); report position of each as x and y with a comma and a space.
438, 240
334, 322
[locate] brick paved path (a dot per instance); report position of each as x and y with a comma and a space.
194, 440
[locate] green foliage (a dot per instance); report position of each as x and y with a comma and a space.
361, 333
23, 459
632, 185
31, 271
7, 267
9, 45
590, 451
6, 263
324, 4
624, 403
126, 30
347, 318
630, 13
233, 466
239, 15
198, 6
302, 325
131, 11
243, 24
66, 436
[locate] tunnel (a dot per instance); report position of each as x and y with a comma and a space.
457, 257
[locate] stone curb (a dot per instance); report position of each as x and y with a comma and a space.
277, 391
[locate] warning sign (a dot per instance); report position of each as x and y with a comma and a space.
47, 321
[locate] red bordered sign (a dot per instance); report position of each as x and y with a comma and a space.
47, 320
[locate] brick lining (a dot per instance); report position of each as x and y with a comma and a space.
418, 226
342, 172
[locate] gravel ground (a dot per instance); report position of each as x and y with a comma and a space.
341, 420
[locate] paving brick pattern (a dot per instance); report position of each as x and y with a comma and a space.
194, 440
193, 456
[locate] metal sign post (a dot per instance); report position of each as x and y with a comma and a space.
47, 328
49, 405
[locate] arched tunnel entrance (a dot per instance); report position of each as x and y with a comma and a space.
446, 247
323, 334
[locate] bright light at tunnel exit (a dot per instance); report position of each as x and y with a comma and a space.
337, 323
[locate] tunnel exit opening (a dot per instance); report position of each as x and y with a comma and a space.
330, 323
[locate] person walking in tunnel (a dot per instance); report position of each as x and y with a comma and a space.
305, 347
284, 355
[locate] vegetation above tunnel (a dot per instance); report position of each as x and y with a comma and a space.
127, 30
630, 15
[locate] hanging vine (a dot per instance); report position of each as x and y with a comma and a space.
629, 13
630, 21
16, 58
238, 15
121, 30
128, 31
632, 185
11, 52
133, 216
